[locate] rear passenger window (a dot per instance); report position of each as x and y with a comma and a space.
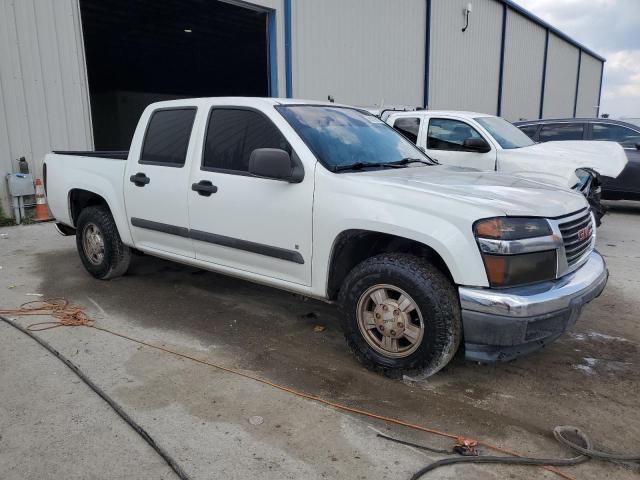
561, 131
408, 126
232, 134
529, 130
167, 137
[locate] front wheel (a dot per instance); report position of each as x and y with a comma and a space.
101, 250
401, 315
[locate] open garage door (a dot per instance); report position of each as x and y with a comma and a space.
143, 51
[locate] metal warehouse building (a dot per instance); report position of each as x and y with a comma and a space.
75, 74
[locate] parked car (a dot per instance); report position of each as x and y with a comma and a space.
485, 142
625, 186
330, 202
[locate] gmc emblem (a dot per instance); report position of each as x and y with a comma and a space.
584, 233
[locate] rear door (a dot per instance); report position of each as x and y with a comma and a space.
156, 179
257, 225
444, 142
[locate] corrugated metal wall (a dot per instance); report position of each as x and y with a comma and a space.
560, 84
589, 87
43, 86
523, 65
359, 51
464, 70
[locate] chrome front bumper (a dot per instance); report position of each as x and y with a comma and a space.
502, 324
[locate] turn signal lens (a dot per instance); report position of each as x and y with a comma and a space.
511, 228
523, 269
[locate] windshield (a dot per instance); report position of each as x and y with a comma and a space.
340, 137
507, 135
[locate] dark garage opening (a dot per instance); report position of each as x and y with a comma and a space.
140, 51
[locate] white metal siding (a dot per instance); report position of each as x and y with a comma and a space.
464, 70
523, 65
560, 84
43, 87
359, 51
589, 87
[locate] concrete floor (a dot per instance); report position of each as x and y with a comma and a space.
53, 426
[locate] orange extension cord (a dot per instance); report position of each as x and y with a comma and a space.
68, 315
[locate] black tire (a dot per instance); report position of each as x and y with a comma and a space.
433, 293
116, 257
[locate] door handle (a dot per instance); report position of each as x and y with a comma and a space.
139, 179
204, 188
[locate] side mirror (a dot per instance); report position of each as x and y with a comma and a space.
275, 164
637, 146
478, 145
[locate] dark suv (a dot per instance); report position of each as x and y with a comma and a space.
627, 185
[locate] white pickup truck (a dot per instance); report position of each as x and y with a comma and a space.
484, 142
330, 202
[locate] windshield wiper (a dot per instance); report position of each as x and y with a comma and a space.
361, 165
408, 160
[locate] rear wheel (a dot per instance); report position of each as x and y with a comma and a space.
101, 250
400, 315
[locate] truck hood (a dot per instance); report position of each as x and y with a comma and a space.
510, 195
556, 162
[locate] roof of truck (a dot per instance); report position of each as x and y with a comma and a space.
246, 101
459, 113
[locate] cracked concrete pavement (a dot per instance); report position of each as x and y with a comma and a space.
54, 426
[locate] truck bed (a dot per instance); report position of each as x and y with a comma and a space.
101, 173
112, 154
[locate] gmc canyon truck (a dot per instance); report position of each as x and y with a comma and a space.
330, 202
484, 142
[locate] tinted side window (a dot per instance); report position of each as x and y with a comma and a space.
408, 126
167, 137
529, 130
232, 134
445, 134
616, 133
561, 131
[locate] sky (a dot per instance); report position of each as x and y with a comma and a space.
611, 28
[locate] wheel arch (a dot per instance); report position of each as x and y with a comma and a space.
353, 246
80, 198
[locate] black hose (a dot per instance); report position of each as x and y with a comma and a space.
555, 462
415, 445
141, 431
560, 434
585, 450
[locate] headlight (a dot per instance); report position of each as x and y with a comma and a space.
511, 228
517, 251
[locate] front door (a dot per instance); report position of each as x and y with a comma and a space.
155, 186
256, 225
445, 142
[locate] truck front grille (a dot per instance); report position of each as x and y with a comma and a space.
577, 236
